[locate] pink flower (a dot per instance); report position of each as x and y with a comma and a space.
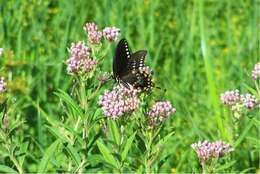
88, 65
111, 33
248, 100
230, 98
73, 65
79, 50
80, 60
207, 151
95, 37
256, 71
160, 111
91, 26
119, 101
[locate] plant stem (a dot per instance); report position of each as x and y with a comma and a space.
204, 168
83, 100
16, 163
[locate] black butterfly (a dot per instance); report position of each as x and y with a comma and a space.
129, 69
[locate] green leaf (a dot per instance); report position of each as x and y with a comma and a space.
107, 155
95, 159
73, 154
244, 133
74, 107
47, 156
164, 139
127, 146
114, 131
6, 169
225, 166
59, 133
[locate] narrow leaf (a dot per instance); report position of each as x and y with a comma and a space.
60, 134
47, 156
73, 154
106, 154
244, 133
114, 131
127, 146
6, 169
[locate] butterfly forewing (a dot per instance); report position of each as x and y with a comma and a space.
121, 58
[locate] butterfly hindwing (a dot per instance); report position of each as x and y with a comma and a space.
137, 60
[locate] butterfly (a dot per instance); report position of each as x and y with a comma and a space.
129, 69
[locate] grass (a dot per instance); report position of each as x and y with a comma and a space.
197, 49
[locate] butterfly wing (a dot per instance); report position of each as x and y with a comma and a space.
136, 60
127, 67
120, 61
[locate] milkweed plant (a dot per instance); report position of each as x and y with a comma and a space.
107, 126
127, 119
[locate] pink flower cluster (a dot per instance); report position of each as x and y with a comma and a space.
102, 78
159, 112
256, 71
2, 85
206, 150
119, 101
248, 100
95, 36
231, 98
111, 33
80, 60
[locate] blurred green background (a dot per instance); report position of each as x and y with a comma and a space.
197, 49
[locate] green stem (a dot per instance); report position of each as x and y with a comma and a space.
204, 168
16, 163
83, 100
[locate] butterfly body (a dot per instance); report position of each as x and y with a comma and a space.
129, 69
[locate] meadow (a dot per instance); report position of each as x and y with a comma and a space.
52, 121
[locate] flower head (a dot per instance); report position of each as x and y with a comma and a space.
79, 50
2, 85
90, 26
95, 37
248, 100
230, 98
111, 33
102, 78
73, 65
256, 71
119, 101
80, 60
206, 150
159, 112
88, 65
